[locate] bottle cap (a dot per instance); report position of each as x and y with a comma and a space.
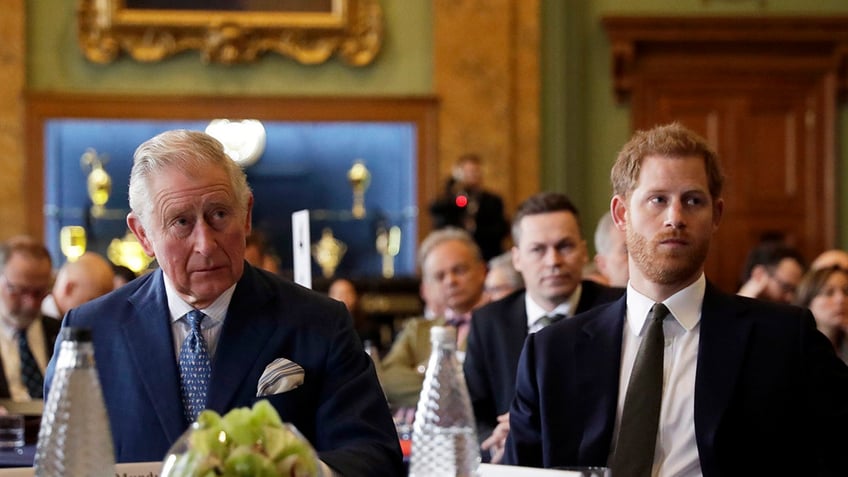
76, 334
443, 334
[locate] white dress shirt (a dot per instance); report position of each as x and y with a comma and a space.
535, 312
676, 453
210, 327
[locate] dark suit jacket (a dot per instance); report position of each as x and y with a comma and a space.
50, 328
339, 407
494, 345
771, 397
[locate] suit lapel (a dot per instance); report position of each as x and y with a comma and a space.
597, 361
516, 324
724, 334
245, 331
149, 343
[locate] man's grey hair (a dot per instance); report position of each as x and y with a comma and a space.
190, 152
504, 262
443, 235
603, 234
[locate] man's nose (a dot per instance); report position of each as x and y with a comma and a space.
204, 238
674, 215
553, 256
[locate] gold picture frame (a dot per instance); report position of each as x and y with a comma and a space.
352, 29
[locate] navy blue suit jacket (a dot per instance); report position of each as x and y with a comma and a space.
494, 344
771, 397
339, 407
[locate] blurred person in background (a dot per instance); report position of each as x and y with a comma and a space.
831, 258
772, 272
123, 275
259, 253
825, 292
451, 263
502, 278
26, 335
611, 252
466, 204
550, 253
77, 282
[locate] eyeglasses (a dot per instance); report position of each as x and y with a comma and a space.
785, 286
18, 291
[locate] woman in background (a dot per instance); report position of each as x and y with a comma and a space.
825, 293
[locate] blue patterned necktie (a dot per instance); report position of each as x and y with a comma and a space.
30, 374
194, 367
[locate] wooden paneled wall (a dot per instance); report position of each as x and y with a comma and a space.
487, 79
12, 70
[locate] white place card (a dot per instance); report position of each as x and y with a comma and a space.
490, 470
301, 248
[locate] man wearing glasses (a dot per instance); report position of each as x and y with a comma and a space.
772, 272
26, 336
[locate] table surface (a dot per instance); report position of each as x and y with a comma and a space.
20, 457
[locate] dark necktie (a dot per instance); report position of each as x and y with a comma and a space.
637, 435
458, 319
548, 319
194, 367
30, 374
462, 323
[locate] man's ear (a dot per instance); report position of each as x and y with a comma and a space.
718, 211
249, 216
134, 223
618, 211
516, 262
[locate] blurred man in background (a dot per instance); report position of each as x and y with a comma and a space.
611, 252
467, 205
450, 262
26, 336
77, 282
549, 252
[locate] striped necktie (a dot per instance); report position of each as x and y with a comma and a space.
195, 367
30, 374
548, 319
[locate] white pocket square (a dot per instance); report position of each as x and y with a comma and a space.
280, 376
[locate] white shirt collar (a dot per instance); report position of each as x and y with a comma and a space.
535, 311
216, 312
684, 305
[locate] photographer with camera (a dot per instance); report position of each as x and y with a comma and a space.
465, 204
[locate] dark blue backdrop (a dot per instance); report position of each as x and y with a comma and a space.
304, 166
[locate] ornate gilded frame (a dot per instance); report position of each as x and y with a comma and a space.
353, 29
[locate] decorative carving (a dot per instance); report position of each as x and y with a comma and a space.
817, 42
328, 252
353, 29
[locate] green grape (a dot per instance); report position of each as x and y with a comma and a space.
245, 442
263, 412
240, 428
243, 462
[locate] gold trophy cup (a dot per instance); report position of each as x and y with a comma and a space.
359, 178
72, 242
